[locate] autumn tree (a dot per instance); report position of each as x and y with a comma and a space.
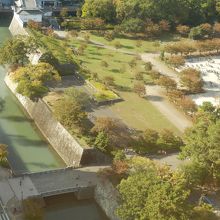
191, 79
109, 80
167, 83
176, 61
140, 89
183, 30
71, 113
116, 132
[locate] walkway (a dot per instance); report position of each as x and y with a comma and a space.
155, 95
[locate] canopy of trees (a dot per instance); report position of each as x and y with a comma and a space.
202, 147
17, 49
32, 79
153, 192
191, 12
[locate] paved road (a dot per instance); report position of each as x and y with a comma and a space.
156, 96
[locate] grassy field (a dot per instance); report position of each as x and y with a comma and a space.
141, 114
132, 45
118, 65
137, 112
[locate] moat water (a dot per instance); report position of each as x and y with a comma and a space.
29, 152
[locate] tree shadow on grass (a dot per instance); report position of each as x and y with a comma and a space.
18, 118
115, 70
2, 104
154, 98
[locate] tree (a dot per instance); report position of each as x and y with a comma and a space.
64, 12
116, 131
71, 114
132, 25
148, 66
187, 105
191, 79
104, 63
140, 89
117, 44
202, 147
196, 33
139, 76
153, 192
78, 95
109, 80
183, 30
176, 61
15, 50
103, 9
34, 25
32, 79
168, 83
168, 141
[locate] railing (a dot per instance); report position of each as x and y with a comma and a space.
3, 214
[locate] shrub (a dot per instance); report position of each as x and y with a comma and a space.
183, 29
132, 25
176, 61
140, 89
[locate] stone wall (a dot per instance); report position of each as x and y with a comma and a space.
106, 196
16, 27
72, 153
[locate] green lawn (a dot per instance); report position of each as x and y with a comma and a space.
118, 65
135, 111
141, 114
131, 44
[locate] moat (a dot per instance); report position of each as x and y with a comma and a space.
29, 152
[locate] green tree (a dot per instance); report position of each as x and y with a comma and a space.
15, 50
103, 9
102, 142
153, 192
32, 79
3, 152
202, 146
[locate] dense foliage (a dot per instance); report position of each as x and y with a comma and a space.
191, 12
32, 79
202, 147
153, 192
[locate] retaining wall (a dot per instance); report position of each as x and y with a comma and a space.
106, 195
72, 153
16, 26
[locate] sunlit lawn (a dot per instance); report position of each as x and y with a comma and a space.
141, 114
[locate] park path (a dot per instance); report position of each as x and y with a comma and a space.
155, 95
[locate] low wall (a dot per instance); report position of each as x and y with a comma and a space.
16, 27
60, 139
107, 197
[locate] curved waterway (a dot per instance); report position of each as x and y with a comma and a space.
28, 151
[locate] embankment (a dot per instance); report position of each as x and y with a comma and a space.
72, 153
